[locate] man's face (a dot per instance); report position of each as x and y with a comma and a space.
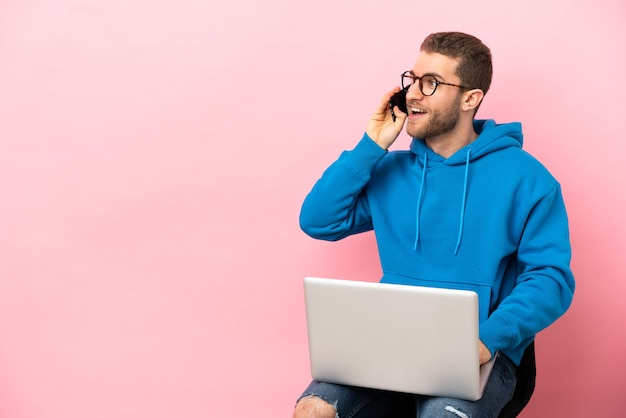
436, 115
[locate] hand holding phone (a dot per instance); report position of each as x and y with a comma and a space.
380, 128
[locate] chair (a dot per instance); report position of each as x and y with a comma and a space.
526, 374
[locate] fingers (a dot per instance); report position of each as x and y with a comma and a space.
484, 353
390, 110
384, 102
386, 123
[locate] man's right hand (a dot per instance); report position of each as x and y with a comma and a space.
381, 127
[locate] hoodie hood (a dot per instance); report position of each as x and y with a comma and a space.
492, 137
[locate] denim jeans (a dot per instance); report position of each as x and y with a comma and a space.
354, 402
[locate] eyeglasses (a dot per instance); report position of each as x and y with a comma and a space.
427, 84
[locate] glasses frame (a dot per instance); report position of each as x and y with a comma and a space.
421, 86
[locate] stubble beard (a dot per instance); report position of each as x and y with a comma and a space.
439, 122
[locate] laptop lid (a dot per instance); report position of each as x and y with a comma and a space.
401, 338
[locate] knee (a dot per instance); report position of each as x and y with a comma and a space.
440, 407
314, 407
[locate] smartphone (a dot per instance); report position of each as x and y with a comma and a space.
398, 99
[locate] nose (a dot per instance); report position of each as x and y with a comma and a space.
414, 92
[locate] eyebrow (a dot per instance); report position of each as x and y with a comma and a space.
436, 75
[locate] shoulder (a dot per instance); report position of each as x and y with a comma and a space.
519, 161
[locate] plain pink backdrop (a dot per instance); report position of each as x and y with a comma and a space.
154, 156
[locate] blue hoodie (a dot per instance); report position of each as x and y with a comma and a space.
489, 218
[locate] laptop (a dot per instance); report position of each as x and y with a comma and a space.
401, 338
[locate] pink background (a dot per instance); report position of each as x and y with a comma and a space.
154, 155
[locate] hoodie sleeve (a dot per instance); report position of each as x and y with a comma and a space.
337, 206
545, 286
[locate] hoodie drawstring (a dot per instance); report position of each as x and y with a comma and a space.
463, 202
467, 162
419, 203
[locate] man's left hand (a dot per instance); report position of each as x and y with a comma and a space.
484, 353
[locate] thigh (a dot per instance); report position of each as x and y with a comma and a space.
498, 391
355, 402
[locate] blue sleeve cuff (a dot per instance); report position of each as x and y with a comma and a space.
364, 155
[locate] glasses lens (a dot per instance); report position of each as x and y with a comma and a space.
428, 85
407, 80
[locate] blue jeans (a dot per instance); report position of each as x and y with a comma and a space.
354, 402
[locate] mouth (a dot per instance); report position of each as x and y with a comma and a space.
416, 112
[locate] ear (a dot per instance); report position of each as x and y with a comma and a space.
471, 99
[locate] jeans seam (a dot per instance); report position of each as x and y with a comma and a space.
360, 406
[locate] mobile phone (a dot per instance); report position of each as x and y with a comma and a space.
398, 99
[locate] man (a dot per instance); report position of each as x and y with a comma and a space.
465, 207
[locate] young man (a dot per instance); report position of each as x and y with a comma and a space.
465, 208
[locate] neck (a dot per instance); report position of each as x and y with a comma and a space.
449, 143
